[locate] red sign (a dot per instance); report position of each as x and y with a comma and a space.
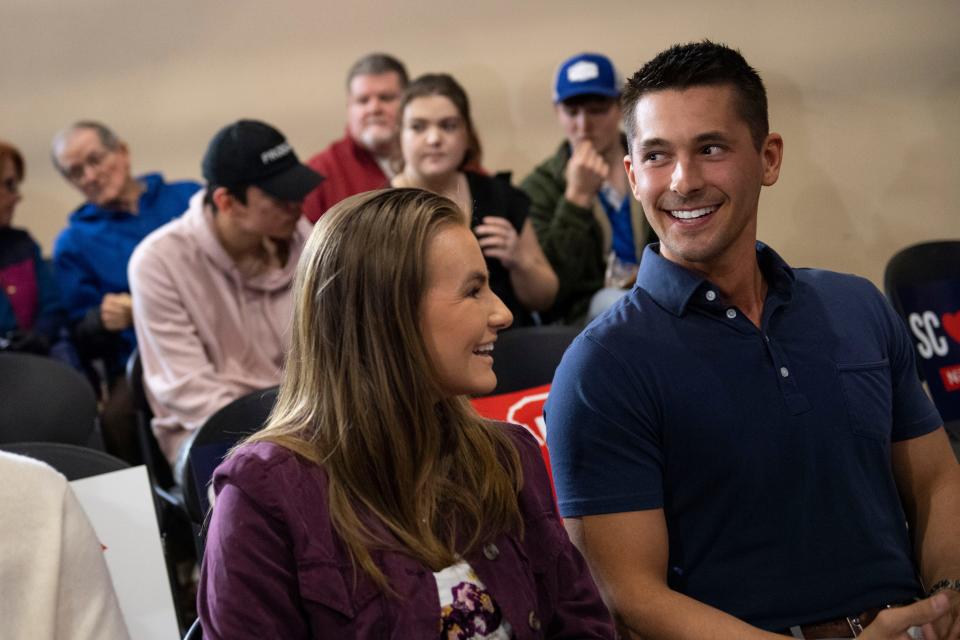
951, 324
951, 377
524, 408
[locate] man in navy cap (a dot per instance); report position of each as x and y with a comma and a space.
212, 298
591, 228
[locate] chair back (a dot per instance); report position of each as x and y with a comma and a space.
72, 461
528, 356
44, 401
157, 466
245, 415
923, 284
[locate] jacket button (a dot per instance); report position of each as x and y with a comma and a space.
533, 621
490, 551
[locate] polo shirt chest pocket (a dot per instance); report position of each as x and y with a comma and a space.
868, 394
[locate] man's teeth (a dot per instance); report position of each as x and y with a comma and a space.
484, 349
693, 213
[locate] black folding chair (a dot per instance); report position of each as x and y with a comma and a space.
528, 356
159, 469
176, 531
46, 401
215, 438
920, 264
72, 461
923, 285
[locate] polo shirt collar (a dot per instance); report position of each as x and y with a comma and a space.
672, 286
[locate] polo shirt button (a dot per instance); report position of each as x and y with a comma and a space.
711, 295
784, 372
490, 551
11, 290
533, 621
731, 313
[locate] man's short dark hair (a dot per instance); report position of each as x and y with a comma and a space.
375, 64
698, 64
239, 194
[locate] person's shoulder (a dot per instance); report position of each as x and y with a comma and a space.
185, 187
156, 180
162, 245
65, 242
531, 460
165, 252
834, 285
22, 475
328, 156
634, 316
633, 334
519, 436
84, 229
261, 454
267, 468
84, 213
498, 187
18, 246
16, 237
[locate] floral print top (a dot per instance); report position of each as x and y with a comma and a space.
467, 610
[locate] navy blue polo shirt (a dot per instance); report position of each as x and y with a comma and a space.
768, 449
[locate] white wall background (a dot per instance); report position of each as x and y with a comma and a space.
866, 94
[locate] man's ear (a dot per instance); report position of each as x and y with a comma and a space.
123, 151
772, 153
224, 200
631, 177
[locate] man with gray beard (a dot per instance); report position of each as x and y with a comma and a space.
363, 159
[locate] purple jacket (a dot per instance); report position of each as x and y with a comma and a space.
274, 568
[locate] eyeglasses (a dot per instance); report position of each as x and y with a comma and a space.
75, 172
12, 185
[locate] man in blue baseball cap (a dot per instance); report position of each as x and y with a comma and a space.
591, 228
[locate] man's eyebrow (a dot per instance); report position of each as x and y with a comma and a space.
702, 138
653, 142
710, 136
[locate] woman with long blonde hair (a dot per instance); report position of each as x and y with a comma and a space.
376, 503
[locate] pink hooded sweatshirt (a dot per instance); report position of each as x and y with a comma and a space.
206, 334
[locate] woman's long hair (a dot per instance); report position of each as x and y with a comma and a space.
360, 397
443, 84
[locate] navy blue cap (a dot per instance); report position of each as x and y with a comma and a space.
586, 74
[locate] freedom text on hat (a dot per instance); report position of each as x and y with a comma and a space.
275, 153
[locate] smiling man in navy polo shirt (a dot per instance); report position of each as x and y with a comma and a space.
736, 444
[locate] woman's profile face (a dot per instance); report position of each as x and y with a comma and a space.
9, 191
433, 137
459, 315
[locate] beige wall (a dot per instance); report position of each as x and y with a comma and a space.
866, 94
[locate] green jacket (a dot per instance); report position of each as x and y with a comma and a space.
575, 240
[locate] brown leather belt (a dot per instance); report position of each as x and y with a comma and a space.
850, 627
